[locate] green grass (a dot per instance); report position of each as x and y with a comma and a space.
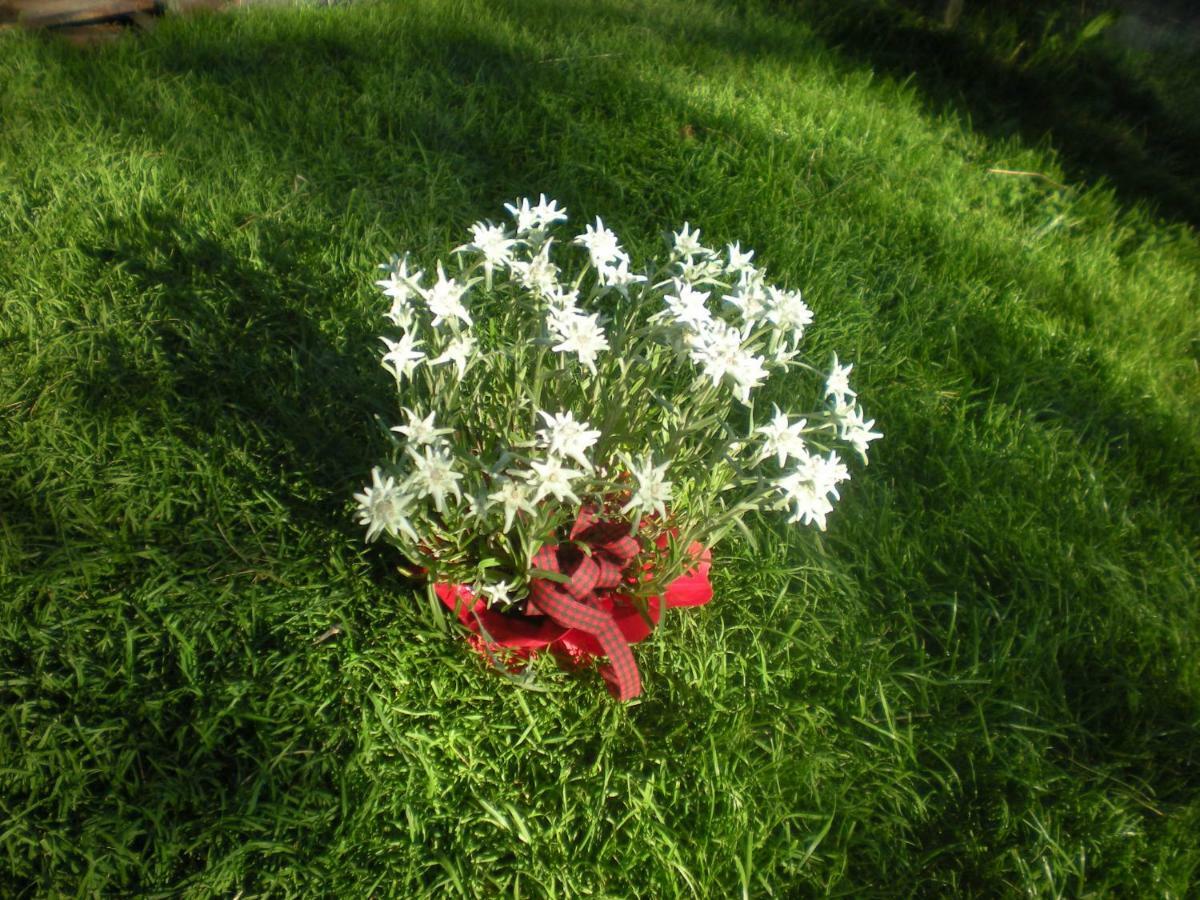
984, 679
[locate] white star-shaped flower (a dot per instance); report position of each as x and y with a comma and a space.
402, 285
497, 593
602, 245
551, 478
837, 385
459, 351
444, 300
493, 242
739, 262
783, 439
853, 427
564, 436
402, 357
515, 497
539, 274
619, 277
687, 243
547, 212
579, 334
687, 306
383, 507
435, 475
748, 372
536, 218
421, 431
653, 492
750, 297
789, 312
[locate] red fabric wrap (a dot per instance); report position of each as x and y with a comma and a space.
585, 616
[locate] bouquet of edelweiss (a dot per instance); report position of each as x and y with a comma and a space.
575, 433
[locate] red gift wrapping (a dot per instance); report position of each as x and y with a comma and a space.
588, 617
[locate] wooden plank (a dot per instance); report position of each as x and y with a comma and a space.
90, 35
49, 13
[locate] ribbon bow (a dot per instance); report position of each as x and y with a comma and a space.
572, 604
577, 620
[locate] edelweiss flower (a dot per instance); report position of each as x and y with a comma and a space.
384, 507
493, 242
579, 334
602, 245
653, 491
807, 488
783, 439
853, 428
421, 431
497, 593
750, 297
564, 436
515, 497
789, 312
687, 306
402, 357
739, 262
748, 372
402, 286
539, 275
435, 476
547, 212
551, 478
444, 300
459, 351
620, 277
687, 244
837, 385
537, 218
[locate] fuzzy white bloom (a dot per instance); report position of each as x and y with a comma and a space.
551, 478
619, 277
739, 261
444, 300
383, 507
402, 357
547, 212
539, 274
459, 351
421, 431
747, 374
514, 496
687, 306
807, 488
789, 312
783, 439
653, 491
402, 286
435, 476
497, 593
536, 218
579, 334
750, 297
837, 383
564, 436
854, 427
562, 301
687, 244
493, 242
602, 245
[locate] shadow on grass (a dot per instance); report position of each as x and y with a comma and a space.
1102, 121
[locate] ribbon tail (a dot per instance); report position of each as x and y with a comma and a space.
621, 672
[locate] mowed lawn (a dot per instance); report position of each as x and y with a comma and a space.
982, 680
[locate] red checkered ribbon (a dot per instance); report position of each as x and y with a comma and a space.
573, 604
